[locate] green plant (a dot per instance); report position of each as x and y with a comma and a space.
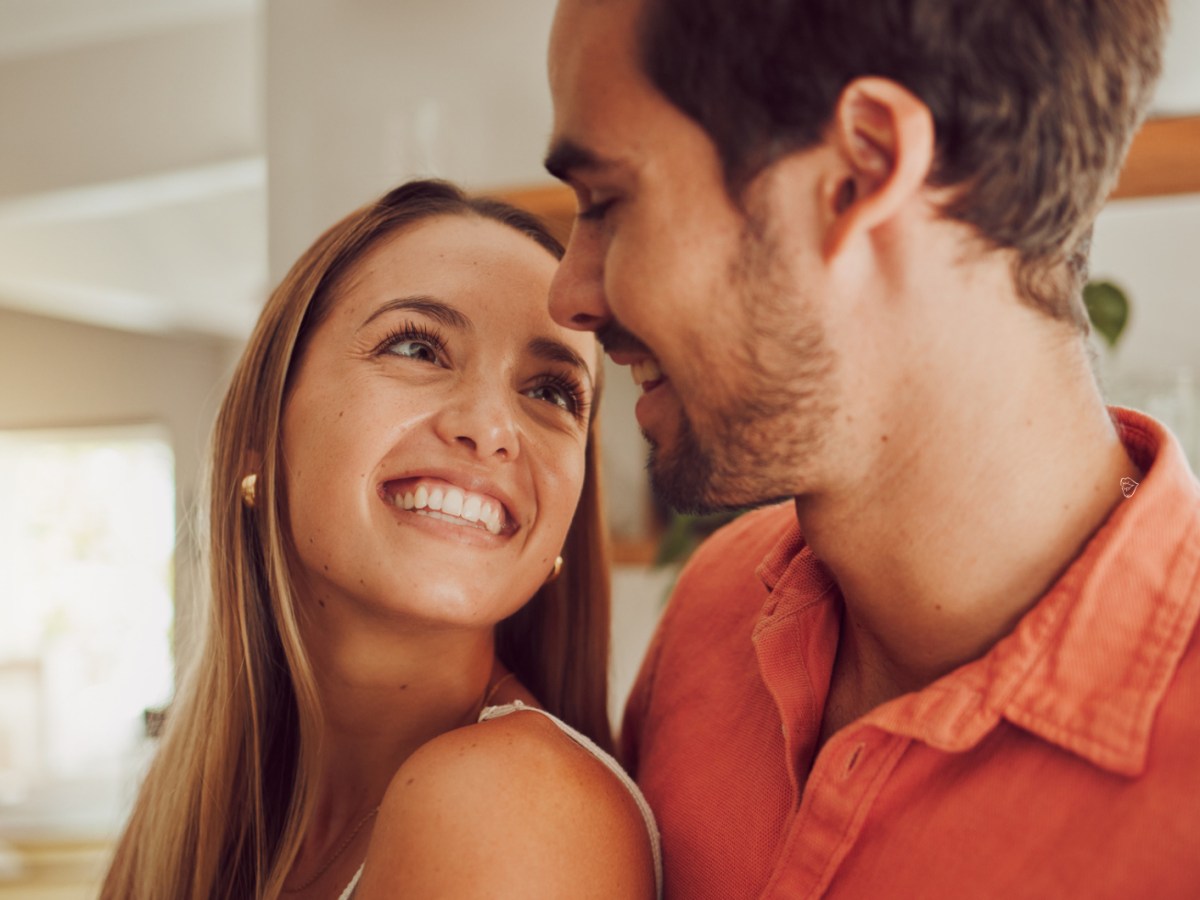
1108, 308
684, 533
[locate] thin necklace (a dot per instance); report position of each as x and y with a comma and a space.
336, 853
492, 693
487, 697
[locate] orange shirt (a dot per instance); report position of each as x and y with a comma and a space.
1063, 763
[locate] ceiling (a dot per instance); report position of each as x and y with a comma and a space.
133, 165
132, 192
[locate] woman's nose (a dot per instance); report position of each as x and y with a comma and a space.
577, 291
480, 417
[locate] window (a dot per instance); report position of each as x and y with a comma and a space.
87, 538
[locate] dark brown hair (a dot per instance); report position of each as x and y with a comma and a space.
1034, 101
223, 808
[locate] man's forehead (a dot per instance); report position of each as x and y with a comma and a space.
594, 78
591, 32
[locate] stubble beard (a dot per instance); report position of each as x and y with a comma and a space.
755, 441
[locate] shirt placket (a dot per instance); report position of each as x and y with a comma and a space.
845, 780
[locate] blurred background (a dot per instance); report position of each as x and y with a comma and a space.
161, 163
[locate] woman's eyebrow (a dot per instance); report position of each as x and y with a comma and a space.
437, 310
556, 351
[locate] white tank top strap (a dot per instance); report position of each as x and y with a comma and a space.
349, 891
495, 712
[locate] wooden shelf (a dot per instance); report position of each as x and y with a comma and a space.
1164, 159
635, 551
554, 204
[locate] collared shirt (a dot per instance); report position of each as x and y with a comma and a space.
1065, 762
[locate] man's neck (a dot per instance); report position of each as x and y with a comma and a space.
971, 512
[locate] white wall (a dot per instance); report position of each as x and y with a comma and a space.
1149, 247
361, 96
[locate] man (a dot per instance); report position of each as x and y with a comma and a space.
841, 247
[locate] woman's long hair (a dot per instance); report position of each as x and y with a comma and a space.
227, 800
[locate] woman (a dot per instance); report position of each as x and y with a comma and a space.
404, 458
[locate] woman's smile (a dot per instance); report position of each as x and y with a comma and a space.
445, 501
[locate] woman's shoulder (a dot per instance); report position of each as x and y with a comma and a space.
527, 754
513, 805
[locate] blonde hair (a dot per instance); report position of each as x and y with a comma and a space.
224, 807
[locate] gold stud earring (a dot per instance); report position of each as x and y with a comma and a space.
249, 490
555, 572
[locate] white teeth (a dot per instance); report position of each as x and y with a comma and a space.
453, 504
489, 515
645, 370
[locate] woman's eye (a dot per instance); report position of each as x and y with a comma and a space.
562, 396
420, 349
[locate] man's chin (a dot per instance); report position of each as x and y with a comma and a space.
687, 479
682, 476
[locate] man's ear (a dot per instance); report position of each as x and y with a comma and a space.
884, 137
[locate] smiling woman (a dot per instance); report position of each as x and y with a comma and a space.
403, 460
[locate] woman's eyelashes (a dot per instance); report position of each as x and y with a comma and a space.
425, 344
414, 341
562, 391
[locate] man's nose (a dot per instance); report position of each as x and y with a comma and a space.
577, 291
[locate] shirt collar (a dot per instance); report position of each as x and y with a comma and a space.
1087, 668
1102, 646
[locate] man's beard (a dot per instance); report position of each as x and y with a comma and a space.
756, 443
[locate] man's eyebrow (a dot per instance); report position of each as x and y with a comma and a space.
437, 310
566, 157
556, 351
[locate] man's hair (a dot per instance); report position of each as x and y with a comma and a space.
1034, 101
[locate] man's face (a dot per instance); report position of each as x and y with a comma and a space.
699, 299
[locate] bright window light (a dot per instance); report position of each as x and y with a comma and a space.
87, 538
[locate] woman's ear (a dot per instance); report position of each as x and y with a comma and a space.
884, 137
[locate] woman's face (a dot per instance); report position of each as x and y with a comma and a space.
434, 434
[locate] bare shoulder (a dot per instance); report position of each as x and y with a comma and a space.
508, 807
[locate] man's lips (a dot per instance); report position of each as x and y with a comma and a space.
626, 350
646, 373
